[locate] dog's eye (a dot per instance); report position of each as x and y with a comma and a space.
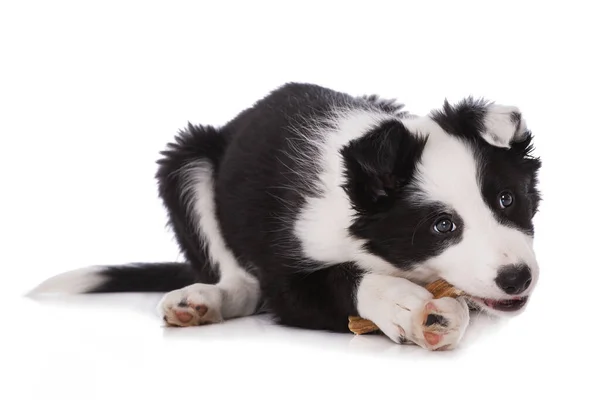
505, 199
444, 225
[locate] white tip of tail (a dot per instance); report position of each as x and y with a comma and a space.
71, 282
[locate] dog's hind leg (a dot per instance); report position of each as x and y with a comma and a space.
210, 285
200, 303
186, 182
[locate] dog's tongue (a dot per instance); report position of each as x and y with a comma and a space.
489, 302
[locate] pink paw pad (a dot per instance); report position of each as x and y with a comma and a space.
432, 338
201, 310
183, 316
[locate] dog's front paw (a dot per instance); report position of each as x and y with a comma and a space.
441, 324
197, 304
406, 312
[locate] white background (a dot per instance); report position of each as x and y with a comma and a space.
91, 91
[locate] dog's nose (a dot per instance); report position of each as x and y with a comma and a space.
514, 279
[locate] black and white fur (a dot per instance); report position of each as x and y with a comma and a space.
316, 205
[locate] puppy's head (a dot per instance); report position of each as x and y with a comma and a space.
451, 195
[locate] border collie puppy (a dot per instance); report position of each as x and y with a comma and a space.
315, 205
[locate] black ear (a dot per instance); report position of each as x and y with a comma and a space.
380, 164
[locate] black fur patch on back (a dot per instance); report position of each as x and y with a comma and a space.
386, 105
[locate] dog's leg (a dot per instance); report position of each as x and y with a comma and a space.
319, 299
186, 184
405, 311
197, 304
200, 304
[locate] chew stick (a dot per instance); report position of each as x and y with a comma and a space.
439, 289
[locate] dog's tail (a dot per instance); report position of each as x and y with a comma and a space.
199, 147
139, 277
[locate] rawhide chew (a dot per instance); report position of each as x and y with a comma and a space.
439, 289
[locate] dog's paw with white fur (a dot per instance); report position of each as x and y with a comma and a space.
407, 312
197, 304
441, 324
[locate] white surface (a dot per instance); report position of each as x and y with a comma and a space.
90, 94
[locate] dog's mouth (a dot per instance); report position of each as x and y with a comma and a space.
508, 305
